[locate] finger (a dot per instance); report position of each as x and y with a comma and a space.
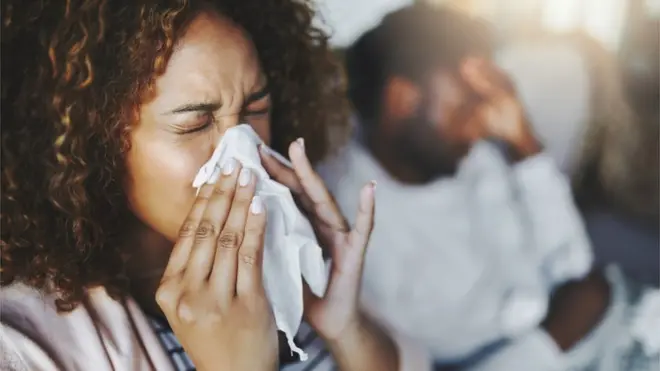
347, 272
212, 222
182, 248
479, 77
280, 172
224, 271
325, 208
345, 279
364, 221
496, 120
286, 176
249, 280
501, 79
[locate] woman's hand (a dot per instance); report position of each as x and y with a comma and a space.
212, 292
356, 342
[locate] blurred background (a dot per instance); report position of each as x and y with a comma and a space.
622, 51
627, 28
586, 72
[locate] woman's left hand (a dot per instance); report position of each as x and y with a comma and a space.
356, 342
337, 312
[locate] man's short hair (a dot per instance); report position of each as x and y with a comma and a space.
410, 42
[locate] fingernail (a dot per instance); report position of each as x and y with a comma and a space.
371, 189
301, 142
244, 177
229, 166
263, 150
257, 206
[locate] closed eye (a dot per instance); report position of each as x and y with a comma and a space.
262, 111
203, 121
258, 95
257, 103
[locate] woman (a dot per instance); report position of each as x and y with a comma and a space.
109, 109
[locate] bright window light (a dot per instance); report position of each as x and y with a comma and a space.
561, 15
602, 19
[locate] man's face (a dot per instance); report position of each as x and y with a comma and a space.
439, 131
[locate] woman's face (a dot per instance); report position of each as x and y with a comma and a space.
212, 82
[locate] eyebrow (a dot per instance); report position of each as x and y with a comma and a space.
196, 107
206, 107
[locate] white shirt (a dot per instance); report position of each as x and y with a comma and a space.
467, 261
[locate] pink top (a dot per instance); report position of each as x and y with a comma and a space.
34, 337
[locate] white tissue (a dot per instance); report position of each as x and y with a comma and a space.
291, 249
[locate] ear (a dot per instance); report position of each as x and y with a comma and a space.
401, 98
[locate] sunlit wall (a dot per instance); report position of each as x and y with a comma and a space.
348, 19
603, 19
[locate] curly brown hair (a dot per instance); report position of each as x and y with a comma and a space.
74, 73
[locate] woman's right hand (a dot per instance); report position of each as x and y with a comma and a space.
212, 292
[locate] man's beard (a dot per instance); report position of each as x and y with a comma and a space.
420, 146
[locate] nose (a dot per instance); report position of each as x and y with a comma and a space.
223, 124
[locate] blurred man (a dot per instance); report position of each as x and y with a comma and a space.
416, 82
475, 229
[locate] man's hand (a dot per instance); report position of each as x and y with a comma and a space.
499, 112
576, 309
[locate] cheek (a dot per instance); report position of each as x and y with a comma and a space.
160, 191
162, 164
453, 116
262, 126
441, 112
444, 96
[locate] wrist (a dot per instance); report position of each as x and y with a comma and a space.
367, 341
526, 146
330, 332
354, 329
